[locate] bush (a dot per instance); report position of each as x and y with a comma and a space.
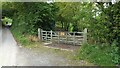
100, 54
115, 53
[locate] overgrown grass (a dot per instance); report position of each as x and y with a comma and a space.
104, 55
19, 37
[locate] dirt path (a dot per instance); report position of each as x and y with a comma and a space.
30, 58
11, 54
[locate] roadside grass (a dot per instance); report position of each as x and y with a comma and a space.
98, 54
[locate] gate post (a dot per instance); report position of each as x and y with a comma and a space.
58, 37
74, 38
85, 36
39, 34
51, 35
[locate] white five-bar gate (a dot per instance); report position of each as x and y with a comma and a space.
74, 38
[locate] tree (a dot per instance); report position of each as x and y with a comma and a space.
109, 22
31, 15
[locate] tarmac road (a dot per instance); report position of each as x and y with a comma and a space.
8, 48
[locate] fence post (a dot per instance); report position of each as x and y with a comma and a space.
73, 38
51, 35
39, 34
58, 37
85, 36
46, 36
66, 37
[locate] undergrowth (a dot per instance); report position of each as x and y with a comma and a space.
104, 55
19, 37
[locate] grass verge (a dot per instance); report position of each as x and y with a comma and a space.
103, 55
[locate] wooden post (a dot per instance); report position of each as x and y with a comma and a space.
73, 38
66, 37
46, 36
39, 33
58, 37
51, 35
85, 36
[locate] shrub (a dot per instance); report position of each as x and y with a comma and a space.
115, 53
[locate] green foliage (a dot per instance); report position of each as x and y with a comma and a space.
67, 12
103, 28
81, 15
106, 25
21, 39
31, 15
113, 13
71, 27
19, 35
115, 53
102, 23
100, 54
